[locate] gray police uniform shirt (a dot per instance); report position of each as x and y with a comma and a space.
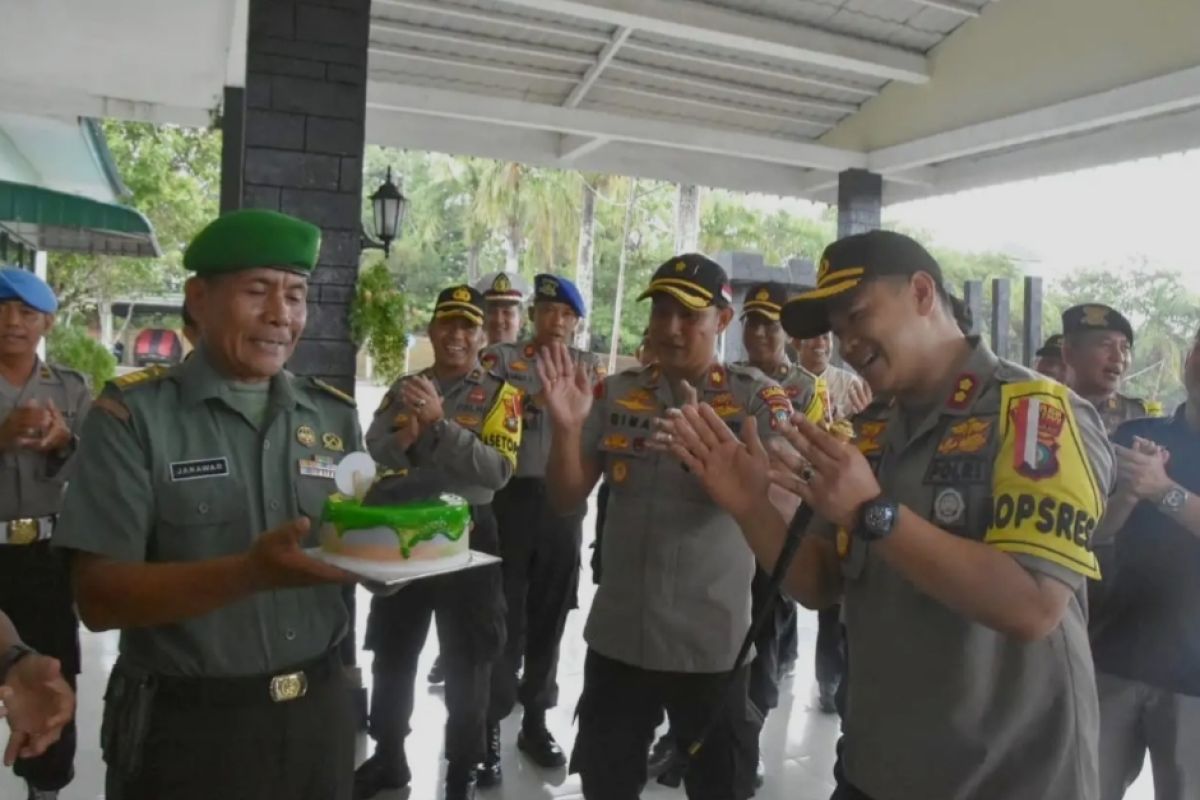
795, 380
169, 471
472, 452
517, 364
676, 590
1119, 408
32, 483
940, 706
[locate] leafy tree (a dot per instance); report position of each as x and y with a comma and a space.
71, 346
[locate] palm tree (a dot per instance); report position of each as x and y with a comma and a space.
529, 206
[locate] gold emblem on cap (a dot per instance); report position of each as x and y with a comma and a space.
501, 284
1095, 316
462, 294
331, 441
549, 287
306, 436
680, 266
763, 294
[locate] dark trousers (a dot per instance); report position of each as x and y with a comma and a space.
541, 583
297, 750
770, 646
621, 706
35, 592
843, 789
469, 607
831, 647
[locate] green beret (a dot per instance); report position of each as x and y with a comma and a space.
254, 238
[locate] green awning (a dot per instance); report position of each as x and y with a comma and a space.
48, 220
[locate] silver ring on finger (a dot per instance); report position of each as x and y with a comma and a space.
419, 404
807, 474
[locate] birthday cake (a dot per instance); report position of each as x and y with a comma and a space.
396, 518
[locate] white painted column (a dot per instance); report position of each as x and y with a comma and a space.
39, 269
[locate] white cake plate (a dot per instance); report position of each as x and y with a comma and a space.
401, 572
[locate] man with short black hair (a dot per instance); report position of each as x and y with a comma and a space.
1050, 360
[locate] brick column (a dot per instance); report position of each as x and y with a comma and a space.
306, 85
860, 202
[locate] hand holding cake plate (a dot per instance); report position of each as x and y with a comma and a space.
375, 529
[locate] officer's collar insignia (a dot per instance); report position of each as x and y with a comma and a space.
530, 351
474, 375
964, 390
306, 436
1095, 316
331, 441
716, 376
45, 373
870, 436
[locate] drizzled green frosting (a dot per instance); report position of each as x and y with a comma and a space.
416, 522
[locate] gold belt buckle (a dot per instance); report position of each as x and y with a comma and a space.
22, 531
292, 686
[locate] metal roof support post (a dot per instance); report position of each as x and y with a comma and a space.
1031, 326
1001, 303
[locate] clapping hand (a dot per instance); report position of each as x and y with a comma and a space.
827, 473
37, 702
566, 388
1142, 469
421, 395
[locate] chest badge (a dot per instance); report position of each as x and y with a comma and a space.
620, 472
949, 507
306, 436
333, 442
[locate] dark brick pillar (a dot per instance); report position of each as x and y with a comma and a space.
306, 91
860, 202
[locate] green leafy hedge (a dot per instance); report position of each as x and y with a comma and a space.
378, 319
70, 346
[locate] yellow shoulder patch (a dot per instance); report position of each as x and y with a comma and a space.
336, 392
125, 382
1046, 500
502, 425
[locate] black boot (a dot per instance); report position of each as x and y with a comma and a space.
490, 773
460, 782
375, 776
661, 754
535, 741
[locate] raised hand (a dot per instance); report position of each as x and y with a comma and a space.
1143, 470
860, 397
833, 476
37, 702
24, 426
277, 560
566, 388
734, 472
421, 395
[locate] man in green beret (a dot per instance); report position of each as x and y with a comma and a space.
1097, 348
198, 488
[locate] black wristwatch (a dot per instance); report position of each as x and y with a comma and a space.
876, 519
10, 657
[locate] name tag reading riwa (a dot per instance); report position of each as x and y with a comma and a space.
200, 468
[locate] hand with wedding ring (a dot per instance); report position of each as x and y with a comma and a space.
421, 395
834, 477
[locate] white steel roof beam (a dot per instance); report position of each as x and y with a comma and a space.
477, 40
709, 25
619, 37
584, 122
950, 5
492, 18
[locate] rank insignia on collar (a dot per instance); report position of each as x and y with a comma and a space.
331, 441
716, 376
306, 436
530, 352
964, 390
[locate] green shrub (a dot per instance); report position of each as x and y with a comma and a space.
378, 319
70, 346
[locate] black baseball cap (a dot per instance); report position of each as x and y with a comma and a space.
1095, 317
847, 264
765, 300
460, 301
1052, 348
694, 280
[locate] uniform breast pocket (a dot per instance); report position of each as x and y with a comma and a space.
311, 494
200, 519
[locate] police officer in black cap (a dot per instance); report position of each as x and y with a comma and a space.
1098, 349
1050, 360
454, 428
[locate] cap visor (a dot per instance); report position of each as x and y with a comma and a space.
688, 300
807, 314
767, 312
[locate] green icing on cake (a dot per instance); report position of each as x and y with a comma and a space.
413, 523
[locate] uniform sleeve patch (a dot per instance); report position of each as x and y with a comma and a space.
141, 376
112, 407
502, 425
1047, 502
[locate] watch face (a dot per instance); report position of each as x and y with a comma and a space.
878, 518
1174, 498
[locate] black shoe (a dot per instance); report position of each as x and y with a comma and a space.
535, 741
489, 773
460, 782
41, 794
661, 755
374, 776
436, 675
672, 774
826, 698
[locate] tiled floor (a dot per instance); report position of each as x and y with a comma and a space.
797, 743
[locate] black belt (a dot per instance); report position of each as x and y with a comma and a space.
281, 687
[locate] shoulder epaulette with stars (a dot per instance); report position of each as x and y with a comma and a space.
336, 392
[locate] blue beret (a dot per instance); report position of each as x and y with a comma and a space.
553, 289
17, 284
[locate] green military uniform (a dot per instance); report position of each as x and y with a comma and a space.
541, 548
674, 606
184, 464
35, 587
471, 453
940, 705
